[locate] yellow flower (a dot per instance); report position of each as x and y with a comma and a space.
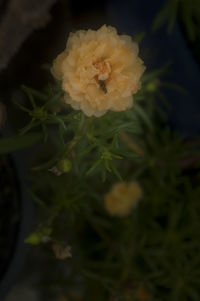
100, 70
122, 198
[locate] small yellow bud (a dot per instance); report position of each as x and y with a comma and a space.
42, 235
64, 165
33, 239
152, 86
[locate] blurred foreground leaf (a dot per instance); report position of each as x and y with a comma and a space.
17, 142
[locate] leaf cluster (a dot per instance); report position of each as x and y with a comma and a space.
152, 254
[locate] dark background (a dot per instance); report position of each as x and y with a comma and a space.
32, 35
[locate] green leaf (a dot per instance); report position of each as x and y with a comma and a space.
173, 86
115, 171
190, 28
17, 142
34, 93
161, 17
45, 165
28, 127
157, 73
139, 36
22, 107
30, 96
173, 15
93, 167
142, 114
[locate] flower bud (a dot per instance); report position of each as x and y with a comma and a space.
64, 165
33, 239
152, 86
42, 235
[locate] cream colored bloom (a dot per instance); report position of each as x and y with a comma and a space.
122, 198
100, 70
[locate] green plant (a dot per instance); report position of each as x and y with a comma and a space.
150, 254
188, 12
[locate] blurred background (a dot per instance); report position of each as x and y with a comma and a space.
33, 33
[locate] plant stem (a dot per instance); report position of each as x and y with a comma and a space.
130, 143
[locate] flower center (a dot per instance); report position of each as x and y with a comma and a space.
104, 70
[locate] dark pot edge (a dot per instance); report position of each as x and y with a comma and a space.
25, 226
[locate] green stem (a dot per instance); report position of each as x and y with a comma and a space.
130, 143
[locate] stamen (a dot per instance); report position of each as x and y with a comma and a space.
102, 85
104, 70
